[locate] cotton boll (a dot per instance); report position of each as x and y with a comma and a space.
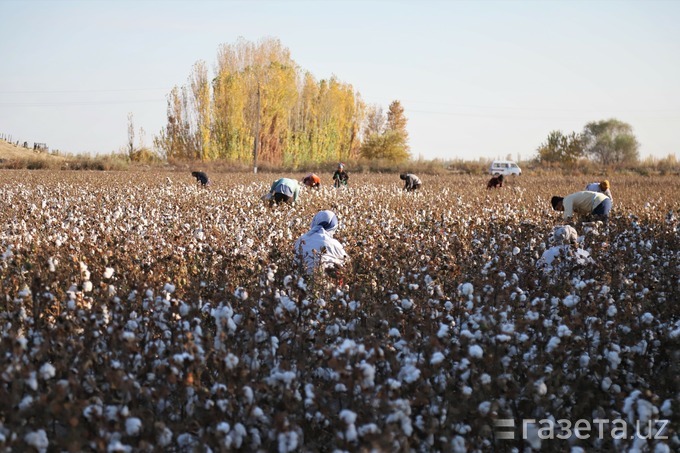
169, 288
483, 408
133, 426
47, 371
437, 358
466, 289
38, 440
541, 388
475, 351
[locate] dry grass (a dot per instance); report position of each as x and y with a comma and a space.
140, 314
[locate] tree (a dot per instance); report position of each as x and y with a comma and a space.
131, 135
375, 121
561, 148
611, 142
389, 141
297, 119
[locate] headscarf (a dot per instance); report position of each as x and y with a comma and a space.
604, 185
324, 220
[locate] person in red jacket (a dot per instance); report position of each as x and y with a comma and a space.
312, 180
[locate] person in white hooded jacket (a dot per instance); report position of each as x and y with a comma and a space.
318, 248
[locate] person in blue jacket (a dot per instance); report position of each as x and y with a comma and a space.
284, 190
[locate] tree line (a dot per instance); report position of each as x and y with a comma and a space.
259, 93
607, 142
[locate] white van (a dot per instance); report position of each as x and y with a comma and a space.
504, 167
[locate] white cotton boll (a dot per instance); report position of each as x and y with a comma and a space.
223, 427
475, 351
47, 371
169, 288
288, 441
611, 311
38, 440
584, 360
241, 293
467, 390
485, 379
133, 426
667, 408
287, 279
32, 380
87, 286
394, 333
52, 264
552, 344
606, 384
108, 272
409, 373
458, 445
116, 446
515, 251
406, 304
484, 408
368, 372
614, 359
26, 402
348, 416
443, 331
563, 331
466, 289
571, 300
647, 318
565, 234
394, 297
231, 361
541, 388
437, 358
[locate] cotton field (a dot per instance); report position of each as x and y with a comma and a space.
143, 312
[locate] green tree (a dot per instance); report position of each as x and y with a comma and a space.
611, 142
561, 148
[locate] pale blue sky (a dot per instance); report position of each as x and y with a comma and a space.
477, 79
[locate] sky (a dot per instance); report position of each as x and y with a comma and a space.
477, 79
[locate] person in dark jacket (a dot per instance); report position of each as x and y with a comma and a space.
340, 177
201, 177
496, 181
